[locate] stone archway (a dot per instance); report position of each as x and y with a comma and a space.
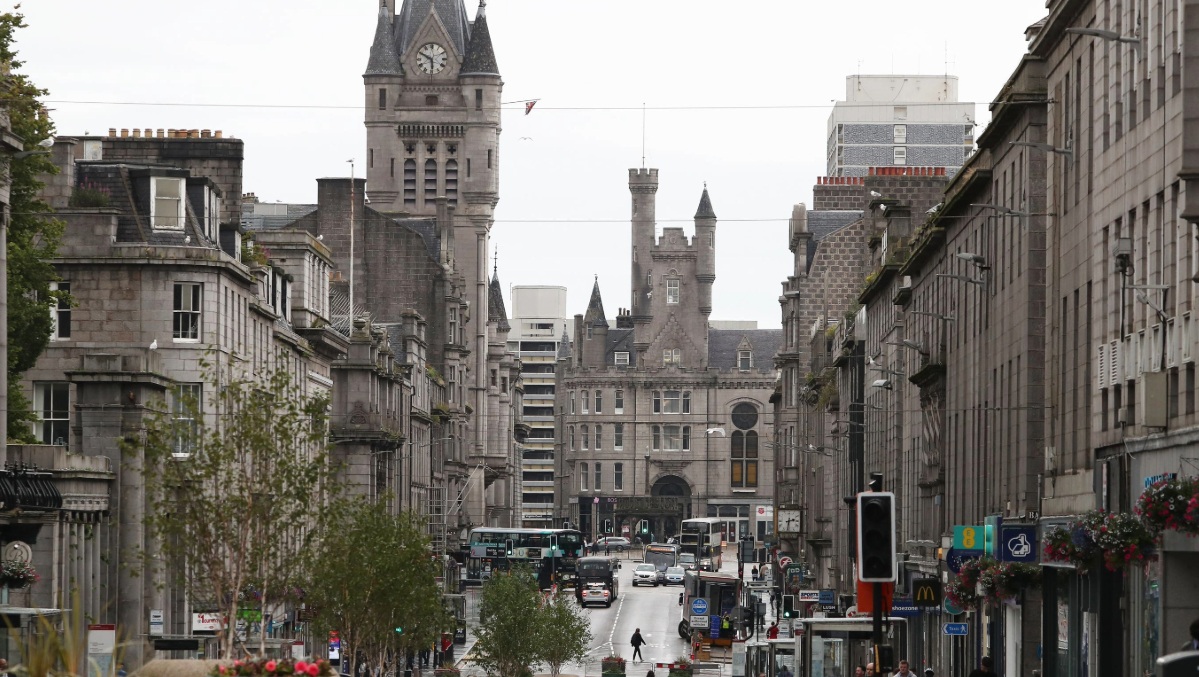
669, 523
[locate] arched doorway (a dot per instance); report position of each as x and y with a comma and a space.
671, 487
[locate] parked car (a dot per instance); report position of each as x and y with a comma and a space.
674, 575
596, 593
617, 543
646, 574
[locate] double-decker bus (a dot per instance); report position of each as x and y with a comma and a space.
662, 555
702, 537
550, 553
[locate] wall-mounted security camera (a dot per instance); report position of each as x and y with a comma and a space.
882, 383
1122, 253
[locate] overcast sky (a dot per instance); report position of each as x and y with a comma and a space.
737, 94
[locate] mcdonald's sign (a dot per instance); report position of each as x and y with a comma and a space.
926, 592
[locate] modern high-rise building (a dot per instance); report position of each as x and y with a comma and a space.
538, 324
899, 120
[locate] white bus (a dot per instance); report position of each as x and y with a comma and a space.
702, 537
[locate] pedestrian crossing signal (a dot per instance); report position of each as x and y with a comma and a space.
788, 606
508, 547
399, 630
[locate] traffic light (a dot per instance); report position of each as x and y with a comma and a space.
788, 606
645, 526
508, 548
399, 630
607, 526
876, 537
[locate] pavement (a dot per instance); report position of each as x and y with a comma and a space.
661, 646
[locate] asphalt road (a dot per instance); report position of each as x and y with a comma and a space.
654, 610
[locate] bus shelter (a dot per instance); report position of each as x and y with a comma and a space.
768, 656
833, 647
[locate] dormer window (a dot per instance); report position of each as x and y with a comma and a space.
166, 203
745, 360
212, 222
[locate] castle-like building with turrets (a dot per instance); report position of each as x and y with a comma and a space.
663, 417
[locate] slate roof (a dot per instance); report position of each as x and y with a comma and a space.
128, 193
254, 221
594, 316
620, 341
564, 345
480, 57
705, 207
496, 312
723, 344
825, 222
413, 12
384, 59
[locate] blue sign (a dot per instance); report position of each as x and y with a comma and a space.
956, 629
903, 607
951, 608
956, 558
1018, 543
699, 606
828, 597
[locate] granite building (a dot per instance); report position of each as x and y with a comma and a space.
661, 417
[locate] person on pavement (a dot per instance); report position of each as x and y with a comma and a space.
773, 631
928, 672
985, 667
903, 670
859, 671
783, 672
637, 641
870, 670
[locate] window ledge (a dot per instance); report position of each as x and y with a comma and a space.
745, 491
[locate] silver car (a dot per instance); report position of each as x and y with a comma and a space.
645, 574
674, 575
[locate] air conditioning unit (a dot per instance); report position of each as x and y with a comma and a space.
1122, 417
905, 283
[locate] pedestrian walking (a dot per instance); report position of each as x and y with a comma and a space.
637, 640
783, 672
773, 631
903, 670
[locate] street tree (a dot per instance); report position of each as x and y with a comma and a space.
33, 236
372, 579
510, 621
565, 632
234, 487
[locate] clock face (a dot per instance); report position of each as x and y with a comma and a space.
431, 58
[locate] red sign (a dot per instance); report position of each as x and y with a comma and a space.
784, 562
866, 597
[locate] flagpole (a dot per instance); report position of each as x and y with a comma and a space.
353, 198
643, 135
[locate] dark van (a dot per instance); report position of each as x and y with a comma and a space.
597, 571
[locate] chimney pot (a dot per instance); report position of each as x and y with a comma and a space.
112, 131
205, 133
218, 134
124, 133
160, 133
137, 133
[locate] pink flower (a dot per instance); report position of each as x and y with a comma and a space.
271, 665
222, 669
301, 666
312, 669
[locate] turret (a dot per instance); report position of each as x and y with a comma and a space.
593, 342
383, 78
799, 238
705, 247
481, 89
643, 184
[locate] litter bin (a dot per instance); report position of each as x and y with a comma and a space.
1178, 664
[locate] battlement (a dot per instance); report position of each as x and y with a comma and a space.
643, 176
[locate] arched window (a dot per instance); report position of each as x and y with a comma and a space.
584, 432
744, 446
430, 180
583, 477
745, 459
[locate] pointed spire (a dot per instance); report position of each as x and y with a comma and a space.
564, 345
384, 59
480, 57
496, 312
594, 316
705, 206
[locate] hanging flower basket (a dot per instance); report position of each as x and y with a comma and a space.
1001, 581
962, 591
612, 665
1117, 540
1171, 504
17, 574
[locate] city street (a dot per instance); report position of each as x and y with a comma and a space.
654, 610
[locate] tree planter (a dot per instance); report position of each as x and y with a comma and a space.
612, 667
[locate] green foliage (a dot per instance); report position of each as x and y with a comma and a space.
33, 236
89, 195
565, 632
252, 253
233, 496
509, 623
370, 573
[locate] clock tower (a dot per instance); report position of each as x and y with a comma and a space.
432, 116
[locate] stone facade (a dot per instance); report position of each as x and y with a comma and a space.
662, 418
